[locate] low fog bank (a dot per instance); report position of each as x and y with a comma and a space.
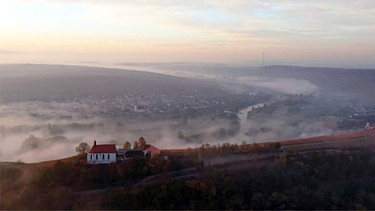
30, 134
45, 141
283, 85
281, 129
33, 135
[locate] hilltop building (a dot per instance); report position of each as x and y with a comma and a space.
107, 153
102, 154
151, 150
125, 154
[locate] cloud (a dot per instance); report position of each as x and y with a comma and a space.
2, 51
213, 29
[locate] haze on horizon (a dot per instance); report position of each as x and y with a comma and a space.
308, 33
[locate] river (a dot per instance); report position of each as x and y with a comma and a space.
242, 115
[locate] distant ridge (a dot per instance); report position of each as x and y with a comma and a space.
28, 82
314, 67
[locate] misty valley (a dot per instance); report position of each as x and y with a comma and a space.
187, 105
230, 137
61, 106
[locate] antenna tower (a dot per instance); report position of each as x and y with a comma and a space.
263, 58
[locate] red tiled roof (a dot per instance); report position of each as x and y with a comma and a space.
151, 148
103, 148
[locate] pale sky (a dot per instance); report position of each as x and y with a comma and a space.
312, 33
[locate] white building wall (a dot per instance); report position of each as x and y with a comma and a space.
101, 158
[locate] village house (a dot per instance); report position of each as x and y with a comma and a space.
151, 150
125, 154
108, 153
102, 154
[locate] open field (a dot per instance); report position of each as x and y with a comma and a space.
364, 139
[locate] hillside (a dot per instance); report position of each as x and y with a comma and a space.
233, 176
357, 83
42, 82
354, 83
359, 139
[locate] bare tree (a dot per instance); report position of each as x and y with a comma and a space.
83, 148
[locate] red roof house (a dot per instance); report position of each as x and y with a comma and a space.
103, 148
152, 150
102, 154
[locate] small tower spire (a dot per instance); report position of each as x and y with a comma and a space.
263, 58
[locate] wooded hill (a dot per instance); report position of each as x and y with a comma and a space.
226, 176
